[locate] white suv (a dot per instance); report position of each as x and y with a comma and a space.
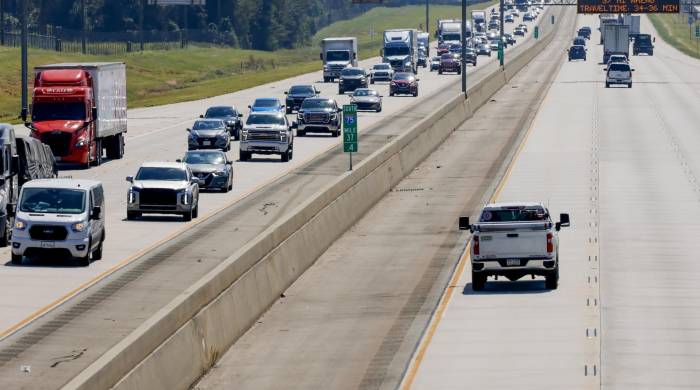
618, 73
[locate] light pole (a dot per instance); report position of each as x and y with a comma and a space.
427, 17
84, 34
464, 48
25, 32
501, 47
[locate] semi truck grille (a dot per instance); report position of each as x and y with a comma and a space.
264, 136
317, 118
58, 142
48, 232
157, 196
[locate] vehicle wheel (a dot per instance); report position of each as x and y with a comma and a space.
6, 234
607, 85
459, 71
115, 148
371, 81
569, 59
132, 215
285, 156
301, 133
326, 80
379, 109
336, 133
415, 94
230, 186
439, 71
340, 91
16, 259
244, 156
478, 281
97, 254
195, 212
629, 85
187, 216
391, 94
85, 260
551, 281
98, 153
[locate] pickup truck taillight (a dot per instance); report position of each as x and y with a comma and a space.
550, 244
476, 245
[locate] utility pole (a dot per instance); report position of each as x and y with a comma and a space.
84, 34
141, 11
464, 48
427, 17
2, 22
502, 49
25, 32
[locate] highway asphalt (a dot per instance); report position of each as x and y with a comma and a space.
158, 133
624, 163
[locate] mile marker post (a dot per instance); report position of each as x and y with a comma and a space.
350, 130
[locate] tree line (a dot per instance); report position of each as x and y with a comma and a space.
248, 24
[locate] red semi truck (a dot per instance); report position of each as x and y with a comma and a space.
79, 110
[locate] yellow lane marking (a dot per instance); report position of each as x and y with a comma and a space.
447, 295
72, 293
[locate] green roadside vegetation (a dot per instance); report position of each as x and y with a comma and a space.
170, 76
673, 28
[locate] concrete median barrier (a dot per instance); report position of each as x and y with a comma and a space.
180, 342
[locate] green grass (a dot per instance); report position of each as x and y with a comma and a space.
673, 28
169, 76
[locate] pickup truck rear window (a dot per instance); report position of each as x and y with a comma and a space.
514, 215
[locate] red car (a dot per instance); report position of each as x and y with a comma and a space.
403, 84
443, 48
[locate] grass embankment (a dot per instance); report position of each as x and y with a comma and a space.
673, 28
169, 76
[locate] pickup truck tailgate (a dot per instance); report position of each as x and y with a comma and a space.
522, 240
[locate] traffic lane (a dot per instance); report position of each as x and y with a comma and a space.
128, 239
649, 172
519, 334
398, 257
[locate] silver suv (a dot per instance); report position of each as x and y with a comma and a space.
618, 73
163, 188
267, 133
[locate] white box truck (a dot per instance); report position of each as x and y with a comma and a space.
616, 40
479, 20
337, 54
633, 22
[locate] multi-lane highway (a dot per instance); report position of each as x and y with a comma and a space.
624, 163
158, 133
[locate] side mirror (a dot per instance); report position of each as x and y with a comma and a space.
340, 110
94, 113
632, 70
130, 179
15, 165
240, 115
286, 93
229, 162
564, 220
178, 160
249, 107
188, 129
295, 125
417, 79
96, 212
194, 180
464, 223
201, 116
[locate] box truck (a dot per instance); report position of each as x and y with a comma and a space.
337, 54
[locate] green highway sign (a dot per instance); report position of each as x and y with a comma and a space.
350, 128
697, 31
537, 32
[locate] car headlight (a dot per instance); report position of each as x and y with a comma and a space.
231, 122
334, 116
283, 136
81, 143
408, 63
325, 67
222, 135
131, 196
244, 135
79, 226
20, 225
184, 198
218, 173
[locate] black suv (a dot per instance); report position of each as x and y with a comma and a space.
577, 52
351, 79
230, 116
296, 96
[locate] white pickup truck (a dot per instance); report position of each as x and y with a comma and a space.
514, 240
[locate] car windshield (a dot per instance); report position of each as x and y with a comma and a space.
619, 68
337, 56
514, 215
161, 173
447, 57
299, 89
208, 125
576, 49
364, 92
382, 66
316, 103
58, 110
204, 158
258, 119
220, 112
52, 200
644, 40
451, 37
397, 51
351, 72
265, 103
403, 76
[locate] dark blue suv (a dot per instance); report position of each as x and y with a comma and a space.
577, 52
